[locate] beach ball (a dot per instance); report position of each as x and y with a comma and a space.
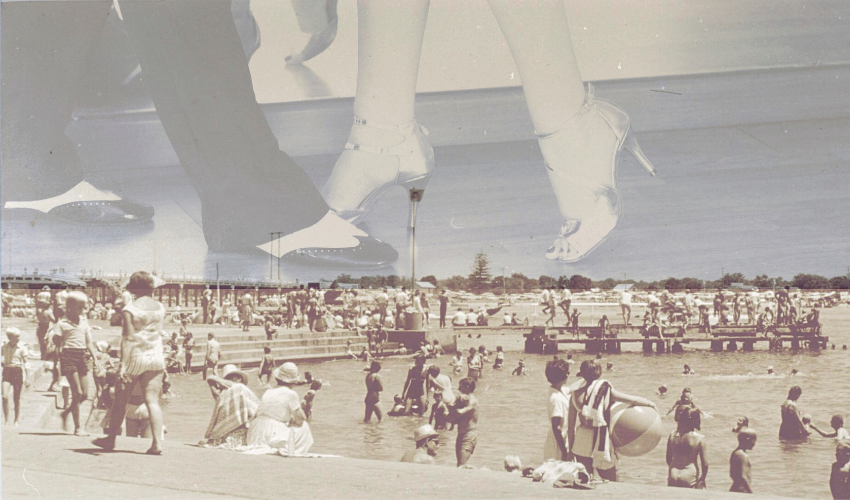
635, 431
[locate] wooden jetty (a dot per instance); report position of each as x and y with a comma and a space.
672, 338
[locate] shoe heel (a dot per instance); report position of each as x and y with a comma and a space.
631, 145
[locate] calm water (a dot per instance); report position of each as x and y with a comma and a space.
513, 411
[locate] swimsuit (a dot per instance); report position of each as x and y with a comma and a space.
466, 441
683, 478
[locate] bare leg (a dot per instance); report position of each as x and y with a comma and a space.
76, 399
152, 386
538, 35
6, 387
390, 35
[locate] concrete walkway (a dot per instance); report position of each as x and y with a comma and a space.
43, 465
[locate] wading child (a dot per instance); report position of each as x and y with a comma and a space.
374, 387
457, 363
398, 407
464, 413
309, 396
739, 462
840, 433
439, 412
266, 365
520, 369
500, 359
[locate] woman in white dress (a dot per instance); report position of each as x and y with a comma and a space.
280, 421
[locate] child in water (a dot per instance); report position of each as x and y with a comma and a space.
840, 433
500, 358
662, 390
439, 411
266, 365
457, 363
520, 369
739, 462
398, 407
740, 424
309, 396
686, 399
688, 371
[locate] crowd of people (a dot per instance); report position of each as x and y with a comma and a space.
579, 413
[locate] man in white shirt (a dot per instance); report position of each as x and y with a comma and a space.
508, 319
544, 299
471, 318
382, 299
401, 300
459, 319
626, 306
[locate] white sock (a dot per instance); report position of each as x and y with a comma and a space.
81, 192
329, 232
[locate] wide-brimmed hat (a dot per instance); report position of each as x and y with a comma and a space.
230, 372
287, 373
13, 332
424, 432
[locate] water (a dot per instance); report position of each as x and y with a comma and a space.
513, 410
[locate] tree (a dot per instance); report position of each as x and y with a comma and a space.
578, 282
728, 279
810, 281
840, 282
479, 279
334, 285
546, 281
455, 283
672, 284
430, 279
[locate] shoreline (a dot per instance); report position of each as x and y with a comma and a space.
48, 465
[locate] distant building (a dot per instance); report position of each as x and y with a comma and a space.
622, 287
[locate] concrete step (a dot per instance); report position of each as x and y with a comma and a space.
259, 334
274, 344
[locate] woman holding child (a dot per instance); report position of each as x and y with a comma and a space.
142, 360
590, 406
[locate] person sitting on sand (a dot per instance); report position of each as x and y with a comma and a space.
837, 424
792, 426
686, 447
520, 369
235, 407
741, 423
739, 462
427, 441
280, 421
839, 478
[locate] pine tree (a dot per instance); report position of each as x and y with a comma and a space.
480, 278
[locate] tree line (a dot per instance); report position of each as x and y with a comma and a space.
481, 280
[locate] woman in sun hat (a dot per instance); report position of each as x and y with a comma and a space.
281, 422
235, 408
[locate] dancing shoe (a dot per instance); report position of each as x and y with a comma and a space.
85, 204
581, 161
364, 173
332, 242
319, 41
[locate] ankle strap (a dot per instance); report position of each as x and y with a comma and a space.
585, 107
382, 126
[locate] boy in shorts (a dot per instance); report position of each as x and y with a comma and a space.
266, 365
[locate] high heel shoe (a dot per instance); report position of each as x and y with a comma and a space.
590, 204
361, 176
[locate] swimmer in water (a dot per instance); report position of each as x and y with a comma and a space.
794, 371
739, 462
688, 371
770, 370
609, 366
662, 390
520, 369
741, 423
686, 399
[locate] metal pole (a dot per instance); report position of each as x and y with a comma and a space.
415, 197
279, 236
271, 245
217, 288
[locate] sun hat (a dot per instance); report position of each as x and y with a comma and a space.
287, 373
102, 345
424, 432
13, 331
229, 372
